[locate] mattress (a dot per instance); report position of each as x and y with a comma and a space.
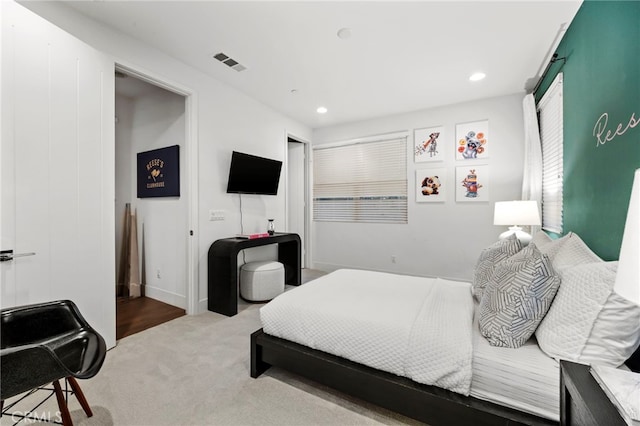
413, 327
524, 378
330, 316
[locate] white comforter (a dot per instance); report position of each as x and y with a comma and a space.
420, 328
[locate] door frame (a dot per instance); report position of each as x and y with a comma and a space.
306, 246
191, 150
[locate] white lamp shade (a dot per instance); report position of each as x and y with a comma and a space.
627, 282
516, 213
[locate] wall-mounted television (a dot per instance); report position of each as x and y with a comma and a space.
250, 174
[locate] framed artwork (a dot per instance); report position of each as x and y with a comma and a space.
472, 183
472, 140
159, 172
431, 186
428, 144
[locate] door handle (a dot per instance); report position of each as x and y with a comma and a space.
7, 255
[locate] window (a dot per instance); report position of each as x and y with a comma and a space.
551, 122
361, 182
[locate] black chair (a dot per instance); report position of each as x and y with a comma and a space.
46, 342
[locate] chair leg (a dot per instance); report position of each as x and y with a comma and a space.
81, 399
62, 404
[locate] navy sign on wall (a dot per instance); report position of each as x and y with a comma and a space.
159, 172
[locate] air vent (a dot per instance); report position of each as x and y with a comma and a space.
230, 62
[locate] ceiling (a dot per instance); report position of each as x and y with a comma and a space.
400, 56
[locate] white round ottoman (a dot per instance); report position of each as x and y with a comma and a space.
261, 281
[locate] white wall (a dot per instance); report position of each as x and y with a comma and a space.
440, 239
227, 120
156, 120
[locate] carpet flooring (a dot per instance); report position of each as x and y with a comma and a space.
194, 370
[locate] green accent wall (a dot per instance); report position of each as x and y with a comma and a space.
601, 76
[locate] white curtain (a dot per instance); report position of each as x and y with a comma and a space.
532, 176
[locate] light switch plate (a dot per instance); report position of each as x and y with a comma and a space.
216, 215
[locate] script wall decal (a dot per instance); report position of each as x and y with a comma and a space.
604, 134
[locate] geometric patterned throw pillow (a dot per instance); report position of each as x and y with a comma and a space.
489, 258
517, 298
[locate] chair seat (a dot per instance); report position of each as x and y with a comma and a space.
80, 353
46, 342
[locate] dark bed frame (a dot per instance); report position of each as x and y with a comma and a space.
428, 404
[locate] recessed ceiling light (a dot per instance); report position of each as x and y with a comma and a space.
477, 76
294, 91
344, 33
321, 110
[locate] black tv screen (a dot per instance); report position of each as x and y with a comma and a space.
250, 174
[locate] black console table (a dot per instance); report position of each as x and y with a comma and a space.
223, 267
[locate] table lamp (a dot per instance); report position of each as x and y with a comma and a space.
627, 282
516, 213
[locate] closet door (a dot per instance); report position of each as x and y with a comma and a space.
57, 158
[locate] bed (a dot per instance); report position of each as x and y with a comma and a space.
372, 334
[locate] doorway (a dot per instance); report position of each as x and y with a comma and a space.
149, 117
297, 193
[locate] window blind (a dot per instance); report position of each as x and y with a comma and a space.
551, 137
361, 182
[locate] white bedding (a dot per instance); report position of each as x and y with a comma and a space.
420, 328
525, 378
366, 316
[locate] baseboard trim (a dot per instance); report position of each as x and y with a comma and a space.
165, 296
203, 305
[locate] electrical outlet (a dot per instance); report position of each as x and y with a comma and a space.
158, 273
393, 259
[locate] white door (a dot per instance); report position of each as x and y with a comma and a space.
57, 158
296, 192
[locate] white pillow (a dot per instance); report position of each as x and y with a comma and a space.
587, 322
622, 316
541, 239
571, 252
552, 247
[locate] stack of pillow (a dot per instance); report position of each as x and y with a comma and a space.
561, 291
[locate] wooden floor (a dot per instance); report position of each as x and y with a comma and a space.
141, 313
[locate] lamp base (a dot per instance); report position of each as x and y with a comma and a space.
522, 236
